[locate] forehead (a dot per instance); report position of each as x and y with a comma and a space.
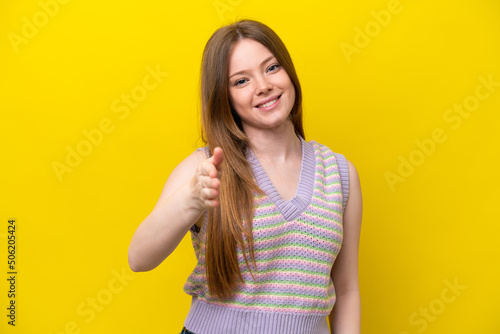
247, 54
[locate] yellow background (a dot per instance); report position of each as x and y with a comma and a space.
434, 227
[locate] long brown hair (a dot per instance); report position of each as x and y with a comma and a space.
230, 224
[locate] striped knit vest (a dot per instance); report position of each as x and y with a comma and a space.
296, 243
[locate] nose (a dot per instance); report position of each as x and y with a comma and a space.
263, 85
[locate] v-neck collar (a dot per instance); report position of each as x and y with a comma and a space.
292, 208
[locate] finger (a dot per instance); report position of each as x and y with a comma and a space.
209, 182
209, 194
211, 203
218, 157
215, 183
208, 169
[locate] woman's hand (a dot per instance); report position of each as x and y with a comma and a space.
206, 181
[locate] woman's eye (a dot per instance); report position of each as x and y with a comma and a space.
274, 66
239, 82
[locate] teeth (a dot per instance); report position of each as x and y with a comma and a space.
268, 103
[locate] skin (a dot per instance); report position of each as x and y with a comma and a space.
258, 82
271, 133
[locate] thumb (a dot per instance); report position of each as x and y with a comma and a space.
218, 157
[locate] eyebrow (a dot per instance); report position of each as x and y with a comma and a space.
265, 61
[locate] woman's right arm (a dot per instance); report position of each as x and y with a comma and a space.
191, 188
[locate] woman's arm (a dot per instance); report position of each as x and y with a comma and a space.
190, 189
345, 317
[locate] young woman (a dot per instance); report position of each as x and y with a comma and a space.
275, 237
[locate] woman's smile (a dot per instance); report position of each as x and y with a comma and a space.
269, 105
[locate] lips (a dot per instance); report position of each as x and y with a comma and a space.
268, 102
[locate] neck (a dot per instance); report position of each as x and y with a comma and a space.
278, 147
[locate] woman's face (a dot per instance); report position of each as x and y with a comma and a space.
260, 90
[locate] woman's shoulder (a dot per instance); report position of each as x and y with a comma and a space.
203, 151
341, 159
327, 149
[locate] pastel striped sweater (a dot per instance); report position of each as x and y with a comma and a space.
296, 243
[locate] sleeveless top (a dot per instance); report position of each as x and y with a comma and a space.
296, 243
